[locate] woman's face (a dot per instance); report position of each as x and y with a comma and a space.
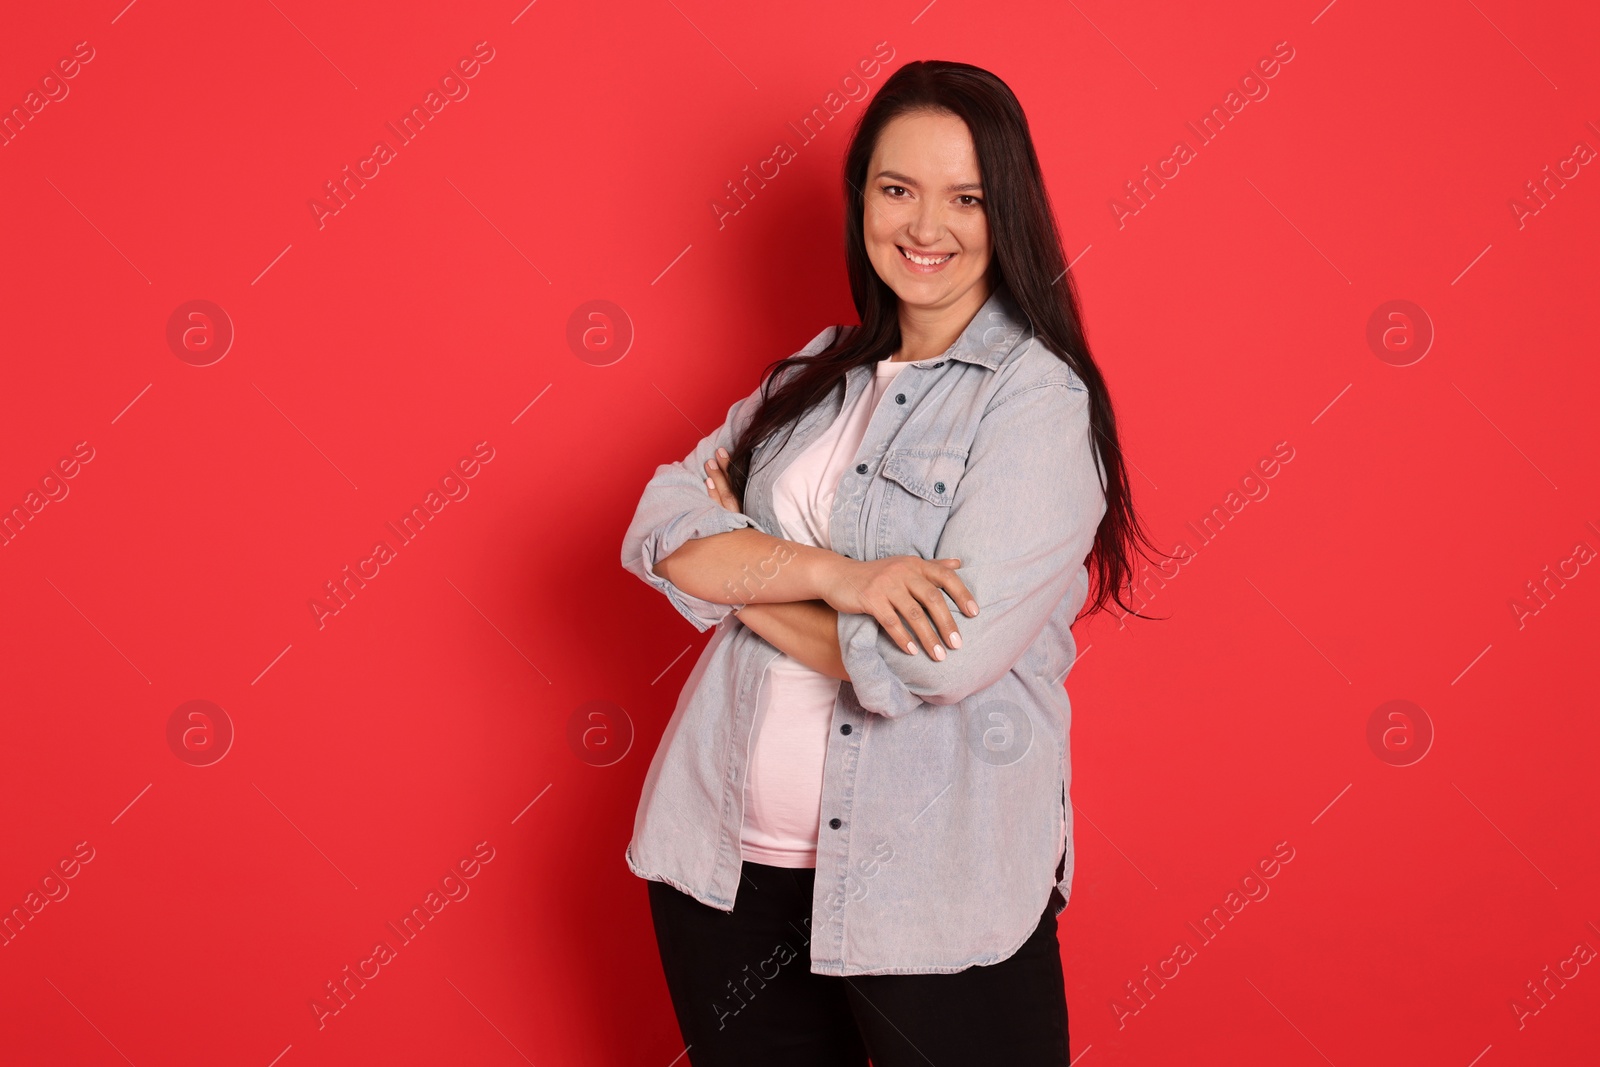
924, 196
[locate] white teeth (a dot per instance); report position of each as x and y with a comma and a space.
925, 261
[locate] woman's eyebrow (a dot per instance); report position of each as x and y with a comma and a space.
903, 179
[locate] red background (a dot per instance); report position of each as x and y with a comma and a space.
431, 312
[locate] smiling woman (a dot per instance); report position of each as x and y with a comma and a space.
930, 231
892, 536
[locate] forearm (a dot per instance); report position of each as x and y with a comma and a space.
808, 630
747, 567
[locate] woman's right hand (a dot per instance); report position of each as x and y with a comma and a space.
897, 587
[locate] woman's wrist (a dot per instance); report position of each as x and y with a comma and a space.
820, 570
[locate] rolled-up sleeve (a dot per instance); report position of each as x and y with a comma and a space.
676, 508
1022, 522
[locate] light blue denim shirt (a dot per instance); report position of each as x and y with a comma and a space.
945, 819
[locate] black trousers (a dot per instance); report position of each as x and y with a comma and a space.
743, 991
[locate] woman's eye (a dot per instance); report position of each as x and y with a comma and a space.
888, 188
969, 196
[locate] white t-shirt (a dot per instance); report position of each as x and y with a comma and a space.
783, 789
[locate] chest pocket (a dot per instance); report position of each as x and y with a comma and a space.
922, 486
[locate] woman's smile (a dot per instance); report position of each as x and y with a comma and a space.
924, 262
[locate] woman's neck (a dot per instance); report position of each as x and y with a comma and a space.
926, 333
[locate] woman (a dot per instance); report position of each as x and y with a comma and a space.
855, 828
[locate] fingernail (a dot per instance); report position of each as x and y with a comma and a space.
911, 647
972, 607
710, 484
955, 639
938, 651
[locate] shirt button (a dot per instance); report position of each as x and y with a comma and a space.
899, 398
834, 823
938, 487
845, 729
861, 468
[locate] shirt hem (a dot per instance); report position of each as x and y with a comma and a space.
842, 970
652, 876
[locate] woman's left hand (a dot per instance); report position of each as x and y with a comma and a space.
717, 481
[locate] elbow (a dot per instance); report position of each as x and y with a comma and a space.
945, 697
903, 698
641, 554
892, 683
941, 682
632, 559
955, 679
636, 548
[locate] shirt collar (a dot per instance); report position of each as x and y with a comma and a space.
998, 329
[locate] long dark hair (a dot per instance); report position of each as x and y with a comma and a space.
1026, 258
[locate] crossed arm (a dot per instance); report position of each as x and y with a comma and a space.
1023, 519
807, 629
